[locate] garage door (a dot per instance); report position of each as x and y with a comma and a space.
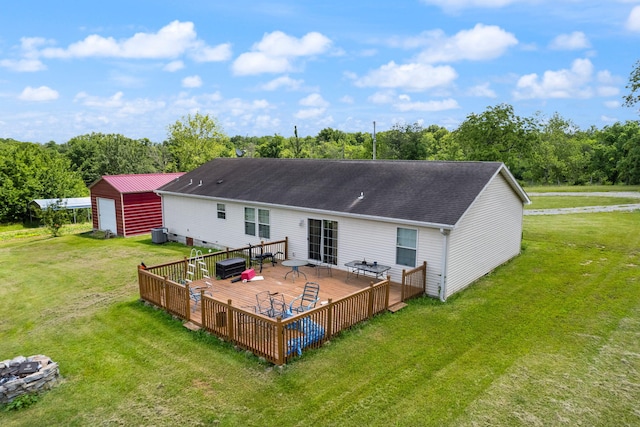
107, 215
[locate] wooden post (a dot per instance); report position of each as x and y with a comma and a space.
186, 288
286, 247
330, 319
370, 308
386, 298
424, 277
280, 340
230, 321
403, 284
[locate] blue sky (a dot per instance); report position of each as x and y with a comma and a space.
261, 68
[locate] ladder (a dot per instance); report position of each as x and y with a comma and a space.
197, 268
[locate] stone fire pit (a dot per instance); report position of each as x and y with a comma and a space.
27, 375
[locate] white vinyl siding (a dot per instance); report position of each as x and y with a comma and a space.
488, 235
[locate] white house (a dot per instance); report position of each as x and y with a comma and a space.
463, 218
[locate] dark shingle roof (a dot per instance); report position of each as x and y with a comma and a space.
424, 191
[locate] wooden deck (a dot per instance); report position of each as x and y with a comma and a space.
243, 294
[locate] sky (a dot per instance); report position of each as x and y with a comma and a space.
136, 67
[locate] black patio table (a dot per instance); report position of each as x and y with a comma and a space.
357, 267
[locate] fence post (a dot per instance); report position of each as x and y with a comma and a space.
386, 297
329, 318
424, 277
286, 247
280, 343
163, 293
230, 321
188, 304
370, 308
403, 284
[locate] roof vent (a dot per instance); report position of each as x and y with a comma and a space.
200, 185
190, 181
361, 196
220, 181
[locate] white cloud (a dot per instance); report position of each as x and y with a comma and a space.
347, 99
608, 91
612, 104
203, 53
633, 22
284, 82
480, 43
174, 66
42, 93
314, 100
412, 77
117, 102
382, 97
171, 41
23, 65
276, 53
407, 105
309, 113
238, 107
574, 41
192, 82
197, 102
483, 91
280, 44
563, 83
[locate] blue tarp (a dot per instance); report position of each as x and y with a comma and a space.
312, 333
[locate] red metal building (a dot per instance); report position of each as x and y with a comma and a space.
127, 204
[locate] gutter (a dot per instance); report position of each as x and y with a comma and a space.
445, 263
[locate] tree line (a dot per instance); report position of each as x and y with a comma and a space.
537, 150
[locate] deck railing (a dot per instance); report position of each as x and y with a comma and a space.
414, 282
276, 340
177, 270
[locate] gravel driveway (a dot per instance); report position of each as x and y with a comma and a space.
587, 209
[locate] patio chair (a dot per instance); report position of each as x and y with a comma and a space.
271, 304
196, 295
321, 265
307, 299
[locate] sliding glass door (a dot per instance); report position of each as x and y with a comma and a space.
323, 240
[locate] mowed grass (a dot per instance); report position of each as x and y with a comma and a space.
550, 338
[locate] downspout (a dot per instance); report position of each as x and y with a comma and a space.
445, 263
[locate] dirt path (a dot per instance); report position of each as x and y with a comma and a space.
587, 209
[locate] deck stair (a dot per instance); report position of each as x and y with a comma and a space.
191, 326
397, 306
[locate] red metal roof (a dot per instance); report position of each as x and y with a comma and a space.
138, 183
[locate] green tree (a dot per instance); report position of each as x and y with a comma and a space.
54, 217
271, 146
96, 154
405, 142
625, 139
31, 171
633, 97
194, 140
498, 134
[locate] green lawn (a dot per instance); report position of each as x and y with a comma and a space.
551, 338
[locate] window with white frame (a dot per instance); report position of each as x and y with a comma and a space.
406, 246
264, 228
263, 222
222, 211
250, 221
